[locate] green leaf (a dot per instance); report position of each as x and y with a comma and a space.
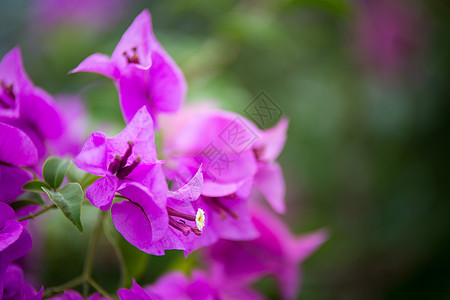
26, 199
35, 186
132, 260
54, 171
69, 200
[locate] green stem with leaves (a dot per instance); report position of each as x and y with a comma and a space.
86, 277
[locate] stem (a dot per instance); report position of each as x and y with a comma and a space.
85, 279
88, 265
65, 286
32, 216
96, 286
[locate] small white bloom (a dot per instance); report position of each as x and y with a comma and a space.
200, 219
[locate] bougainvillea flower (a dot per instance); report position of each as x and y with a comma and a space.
199, 286
276, 252
129, 155
143, 71
231, 149
20, 99
16, 150
13, 286
236, 156
74, 295
154, 225
15, 241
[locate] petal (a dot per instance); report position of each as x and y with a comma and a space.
191, 190
289, 282
6, 213
136, 293
72, 295
270, 182
167, 85
101, 192
216, 189
10, 233
152, 179
11, 181
12, 70
92, 157
140, 36
38, 109
98, 63
170, 286
272, 141
30, 132
226, 131
15, 251
303, 246
16, 148
155, 213
240, 228
132, 223
140, 132
133, 92
229, 167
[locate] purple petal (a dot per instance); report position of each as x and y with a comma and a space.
140, 132
170, 286
217, 127
152, 178
98, 63
16, 148
92, 157
101, 192
167, 85
38, 109
191, 190
6, 213
272, 141
30, 132
11, 181
72, 295
270, 182
228, 227
136, 293
133, 92
140, 36
155, 213
216, 189
10, 233
15, 251
132, 223
289, 282
303, 246
12, 70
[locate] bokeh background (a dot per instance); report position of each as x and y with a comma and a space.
365, 85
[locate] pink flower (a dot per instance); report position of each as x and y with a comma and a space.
143, 71
235, 156
276, 252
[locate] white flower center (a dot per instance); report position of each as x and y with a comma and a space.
200, 219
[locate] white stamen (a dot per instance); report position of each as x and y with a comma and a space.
200, 219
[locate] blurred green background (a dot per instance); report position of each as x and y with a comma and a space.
365, 85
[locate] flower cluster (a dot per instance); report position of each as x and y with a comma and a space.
200, 188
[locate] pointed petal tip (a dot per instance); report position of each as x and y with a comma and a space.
305, 245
